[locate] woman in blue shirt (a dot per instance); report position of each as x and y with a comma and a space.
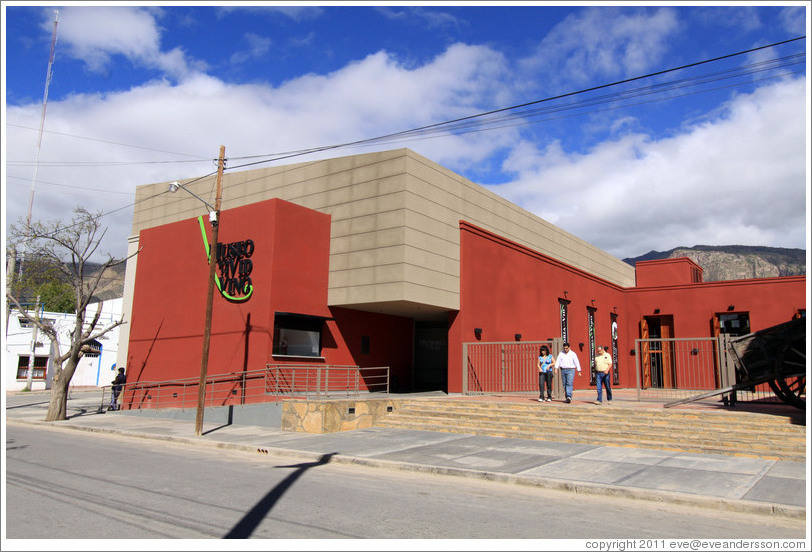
546, 366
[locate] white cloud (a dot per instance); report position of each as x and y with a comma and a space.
794, 19
737, 18
196, 115
603, 43
432, 18
737, 179
96, 34
258, 46
736, 176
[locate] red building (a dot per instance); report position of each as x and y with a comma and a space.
390, 260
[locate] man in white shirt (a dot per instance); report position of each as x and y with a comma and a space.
567, 362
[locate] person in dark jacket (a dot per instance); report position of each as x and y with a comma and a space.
118, 386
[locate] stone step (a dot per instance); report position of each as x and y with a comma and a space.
561, 409
754, 449
541, 417
736, 433
729, 437
612, 413
664, 436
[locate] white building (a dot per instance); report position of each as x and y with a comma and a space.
95, 369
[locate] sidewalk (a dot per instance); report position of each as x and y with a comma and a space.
742, 484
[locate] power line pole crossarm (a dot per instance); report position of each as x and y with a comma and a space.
214, 218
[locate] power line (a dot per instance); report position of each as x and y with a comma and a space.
446, 124
467, 124
199, 157
487, 120
102, 163
74, 187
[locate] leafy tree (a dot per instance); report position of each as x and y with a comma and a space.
56, 297
40, 277
66, 249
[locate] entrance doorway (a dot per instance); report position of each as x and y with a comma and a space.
658, 354
431, 356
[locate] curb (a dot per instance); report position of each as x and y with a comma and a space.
593, 489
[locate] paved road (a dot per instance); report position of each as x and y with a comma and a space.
105, 486
742, 484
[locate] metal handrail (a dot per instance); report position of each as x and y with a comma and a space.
304, 380
253, 386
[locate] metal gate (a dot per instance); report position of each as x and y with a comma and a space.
504, 367
679, 368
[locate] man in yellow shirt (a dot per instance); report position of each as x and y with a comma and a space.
603, 373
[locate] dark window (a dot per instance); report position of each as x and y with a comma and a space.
735, 323
297, 335
40, 367
364, 344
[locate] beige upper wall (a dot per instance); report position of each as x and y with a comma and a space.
395, 225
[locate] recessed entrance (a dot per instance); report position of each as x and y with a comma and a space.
431, 356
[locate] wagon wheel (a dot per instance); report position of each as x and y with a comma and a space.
791, 390
790, 365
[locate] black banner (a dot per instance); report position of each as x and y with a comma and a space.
615, 376
590, 317
562, 307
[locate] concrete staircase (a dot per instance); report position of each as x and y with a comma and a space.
689, 430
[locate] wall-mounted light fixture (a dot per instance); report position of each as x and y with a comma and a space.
656, 311
478, 333
593, 302
581, 346
731, 307
518, 337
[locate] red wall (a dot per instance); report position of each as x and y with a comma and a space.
660, 272
507, 289
390, 341
169, 301
290, 274
768, 301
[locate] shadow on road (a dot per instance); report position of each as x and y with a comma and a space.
27, 405
246, 526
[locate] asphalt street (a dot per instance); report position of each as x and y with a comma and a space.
716, 482
105, 486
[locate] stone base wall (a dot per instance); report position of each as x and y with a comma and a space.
329, 416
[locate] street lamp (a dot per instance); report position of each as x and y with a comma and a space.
213, 219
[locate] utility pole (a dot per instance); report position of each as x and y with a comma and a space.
11, 260
214, 218
29, 381
48, 74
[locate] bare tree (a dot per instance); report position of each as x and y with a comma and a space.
67, 247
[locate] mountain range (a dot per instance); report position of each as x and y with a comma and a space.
735, 262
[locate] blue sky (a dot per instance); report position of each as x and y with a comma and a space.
143, 94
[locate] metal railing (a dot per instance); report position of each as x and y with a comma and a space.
308, 380
679, 368
270, 384
504, 367
664, 369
